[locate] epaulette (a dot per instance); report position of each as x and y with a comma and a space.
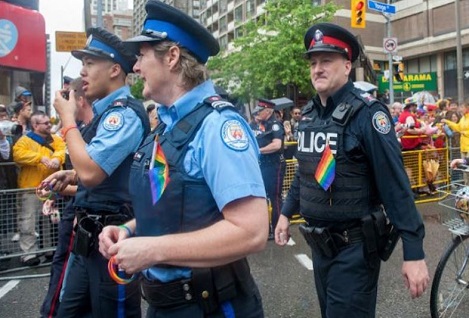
219, 103
121, 102
365, 97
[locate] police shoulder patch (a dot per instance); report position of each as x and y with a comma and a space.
234, 136
381, 122
276, 127
113, 121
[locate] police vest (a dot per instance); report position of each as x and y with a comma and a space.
352, 193
187, 204
114, 190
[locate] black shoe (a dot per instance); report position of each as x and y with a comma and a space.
31, 262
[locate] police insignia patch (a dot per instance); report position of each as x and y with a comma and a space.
113, 121
275, 127
234, 136
381, 122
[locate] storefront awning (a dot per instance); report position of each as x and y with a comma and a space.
22, 38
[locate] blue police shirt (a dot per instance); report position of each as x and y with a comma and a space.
230, 173
119, 124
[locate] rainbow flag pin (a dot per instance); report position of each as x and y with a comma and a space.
158, 172
325, 172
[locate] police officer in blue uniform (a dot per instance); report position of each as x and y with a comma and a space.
270, 136
101, 159
192, 240
343, 205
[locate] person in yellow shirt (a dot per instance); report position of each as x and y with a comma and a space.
462, 127
38, 154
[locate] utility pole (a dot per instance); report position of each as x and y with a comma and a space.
391, 75
459, 64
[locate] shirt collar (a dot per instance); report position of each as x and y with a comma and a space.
100, 105
170, 115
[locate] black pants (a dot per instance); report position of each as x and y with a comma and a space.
89, 285
346, 284
273, 173
245, 306
59, 263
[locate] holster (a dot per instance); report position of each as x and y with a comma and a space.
380, 235
86, 236
319, 238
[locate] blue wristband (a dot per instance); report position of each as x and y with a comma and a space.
129, 231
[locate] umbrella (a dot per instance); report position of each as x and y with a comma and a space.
424, 97
282, 102
365, 86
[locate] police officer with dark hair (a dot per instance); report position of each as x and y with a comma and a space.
270, 136
101, 156
197, 190
350, 168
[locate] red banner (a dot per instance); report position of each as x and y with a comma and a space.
22, 38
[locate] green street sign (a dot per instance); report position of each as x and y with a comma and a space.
412, 83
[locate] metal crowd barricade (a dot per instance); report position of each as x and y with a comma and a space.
416, 163
12, 203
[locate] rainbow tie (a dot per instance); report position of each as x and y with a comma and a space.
158, 172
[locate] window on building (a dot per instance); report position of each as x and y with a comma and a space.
223, 25
238, 12
450, 61
238, 32
223, 42
250, 8
223, 6
465, 57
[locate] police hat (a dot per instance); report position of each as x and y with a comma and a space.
328, 37
105, 45
263, 104
165, 22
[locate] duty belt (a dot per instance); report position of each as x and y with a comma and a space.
165, 295
103, 217
329, 242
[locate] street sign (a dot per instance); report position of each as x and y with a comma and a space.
69, 41
390, 45
397, 58
381, 7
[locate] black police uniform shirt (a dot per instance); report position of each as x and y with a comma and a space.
367, 139
268, 130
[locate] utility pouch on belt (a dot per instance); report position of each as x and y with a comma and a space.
320, 239
86, 236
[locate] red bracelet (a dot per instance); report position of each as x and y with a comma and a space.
64, 131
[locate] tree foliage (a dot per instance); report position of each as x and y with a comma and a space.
137, 88
270, 52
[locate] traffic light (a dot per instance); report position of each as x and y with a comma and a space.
399, 71
358, 17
